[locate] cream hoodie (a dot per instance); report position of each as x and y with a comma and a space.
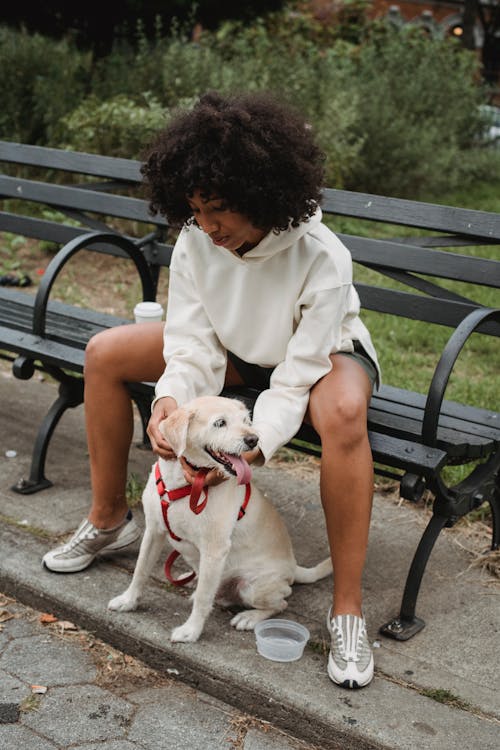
288, 303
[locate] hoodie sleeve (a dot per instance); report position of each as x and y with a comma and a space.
195, 359
279, 411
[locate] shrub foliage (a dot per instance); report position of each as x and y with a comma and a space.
396, 111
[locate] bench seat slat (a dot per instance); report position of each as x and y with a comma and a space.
391, 394
464, 419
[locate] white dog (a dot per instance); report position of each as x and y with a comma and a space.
229, 534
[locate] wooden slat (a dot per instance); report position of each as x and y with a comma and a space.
53, 231
464, 423
70, 161
412, 213
418, 307
77, 198
411, 259
452, 408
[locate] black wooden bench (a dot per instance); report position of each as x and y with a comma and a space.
413, 436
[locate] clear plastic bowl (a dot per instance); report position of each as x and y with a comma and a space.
281, 640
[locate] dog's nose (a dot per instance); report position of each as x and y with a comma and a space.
251, 440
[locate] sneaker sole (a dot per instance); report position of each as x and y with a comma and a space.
73, 569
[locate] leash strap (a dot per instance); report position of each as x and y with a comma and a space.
194, 491
182, 580
197, 488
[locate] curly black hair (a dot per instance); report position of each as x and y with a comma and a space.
251, 150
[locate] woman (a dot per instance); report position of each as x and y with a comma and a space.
260, 292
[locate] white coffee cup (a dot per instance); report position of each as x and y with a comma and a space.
148, 312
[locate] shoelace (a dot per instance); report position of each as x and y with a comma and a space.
349, 650
78, 538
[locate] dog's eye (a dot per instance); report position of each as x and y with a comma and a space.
220, 423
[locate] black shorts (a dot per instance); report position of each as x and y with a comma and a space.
259, 377
254, 376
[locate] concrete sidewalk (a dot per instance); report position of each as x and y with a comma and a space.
456, 656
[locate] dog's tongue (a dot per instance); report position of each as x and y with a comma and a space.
241, 467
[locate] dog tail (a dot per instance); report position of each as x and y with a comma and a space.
309, 575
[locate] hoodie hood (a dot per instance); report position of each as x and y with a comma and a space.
274, 242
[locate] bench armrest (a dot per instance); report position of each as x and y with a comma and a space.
444, 368
72, 247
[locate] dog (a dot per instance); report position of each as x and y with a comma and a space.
230, 534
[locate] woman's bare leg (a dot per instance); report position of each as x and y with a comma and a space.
338, 411
113, 358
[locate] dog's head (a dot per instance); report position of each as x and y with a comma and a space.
212, 432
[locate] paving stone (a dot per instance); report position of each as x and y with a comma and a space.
9, 713
45, 660
15, 737
12, 690
81, 713
17, 628
185, 719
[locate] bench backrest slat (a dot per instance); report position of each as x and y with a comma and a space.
447, 265
418, 307
78, 198
417, 214
70, 161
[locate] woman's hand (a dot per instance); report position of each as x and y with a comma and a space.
161, 410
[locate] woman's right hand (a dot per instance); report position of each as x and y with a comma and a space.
161, 410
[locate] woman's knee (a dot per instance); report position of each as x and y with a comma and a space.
100, 352
343, 418
126, 353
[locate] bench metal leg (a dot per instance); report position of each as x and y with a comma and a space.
70, 395
407, 624
494, 502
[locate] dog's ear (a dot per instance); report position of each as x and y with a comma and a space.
175, 429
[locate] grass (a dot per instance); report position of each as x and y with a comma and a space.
447, 698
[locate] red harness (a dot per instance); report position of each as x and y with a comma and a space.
194, 491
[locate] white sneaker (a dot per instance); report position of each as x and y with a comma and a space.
350, 662
87, 542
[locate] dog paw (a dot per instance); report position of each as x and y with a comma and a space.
186, 633
248, 619
122, 603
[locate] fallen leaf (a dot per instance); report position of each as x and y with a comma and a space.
5, 615
45, 618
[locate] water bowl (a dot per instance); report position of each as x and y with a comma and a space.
281, 640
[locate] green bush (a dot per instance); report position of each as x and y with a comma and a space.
41, 80
418, 105
397, 113
116, 127
131, 69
